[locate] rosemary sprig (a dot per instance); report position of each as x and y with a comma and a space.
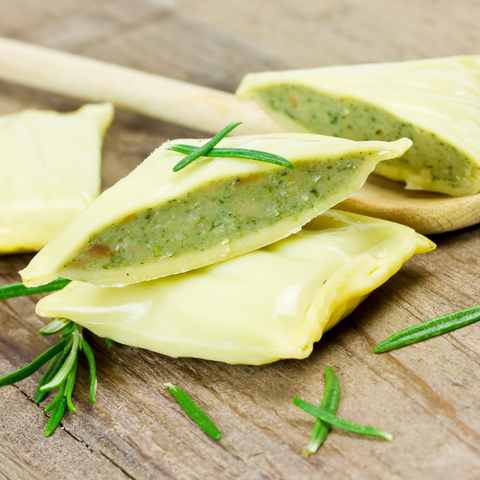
56, 326
340, 422
207, 150
429, 329
331, 398
91, 362
60, 373
52, 369
19, 289
236, 153
194, 412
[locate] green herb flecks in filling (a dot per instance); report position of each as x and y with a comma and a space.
225, 210
430, 156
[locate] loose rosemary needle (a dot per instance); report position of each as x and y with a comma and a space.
331, 398
60, 373
340, 422
19, 289
429, 329
208, 150
195, 412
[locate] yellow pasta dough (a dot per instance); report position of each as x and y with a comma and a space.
155, 222
435, 103
50, 171
259, 307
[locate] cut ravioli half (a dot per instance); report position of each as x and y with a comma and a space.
155, 222
50, 171
435, 103
260, 307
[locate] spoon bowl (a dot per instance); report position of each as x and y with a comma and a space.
426, 212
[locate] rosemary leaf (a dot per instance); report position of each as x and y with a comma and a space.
68, 346
52, 369
56, 416
60, 395
69, 389
32, 367
68, 365
194, 412
109, 342
205, 148
340, 422
331, 398
429, 329
91, 362
56, 326
236, 153
68, 330
20, 290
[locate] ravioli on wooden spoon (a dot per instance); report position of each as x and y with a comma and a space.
435, 103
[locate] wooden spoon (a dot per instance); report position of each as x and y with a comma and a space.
426, 212
210, 110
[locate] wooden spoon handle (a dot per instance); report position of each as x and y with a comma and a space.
174, 101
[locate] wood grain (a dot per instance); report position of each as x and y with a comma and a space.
427, 395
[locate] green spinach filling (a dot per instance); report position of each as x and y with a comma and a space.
216, 214
430, 157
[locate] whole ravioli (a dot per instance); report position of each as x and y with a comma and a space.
155, 222
259, 307
49, 172
434, 102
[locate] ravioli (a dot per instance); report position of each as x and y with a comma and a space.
50, 171
257, 308
156, 222
435, 103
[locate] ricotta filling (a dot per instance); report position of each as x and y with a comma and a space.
216, 214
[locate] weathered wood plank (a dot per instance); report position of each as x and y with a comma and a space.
26, 453
426, 395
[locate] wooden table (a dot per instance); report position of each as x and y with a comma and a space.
427, 395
